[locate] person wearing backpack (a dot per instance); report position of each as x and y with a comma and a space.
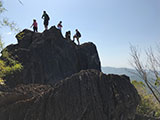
77, 36
46, 19
68, 35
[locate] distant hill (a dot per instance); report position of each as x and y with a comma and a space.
120, 71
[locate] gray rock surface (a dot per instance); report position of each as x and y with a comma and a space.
87, 95
65, 82
48, 57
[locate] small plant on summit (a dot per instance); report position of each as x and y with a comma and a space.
20, 36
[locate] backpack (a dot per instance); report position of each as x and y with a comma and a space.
78, 34
47, 17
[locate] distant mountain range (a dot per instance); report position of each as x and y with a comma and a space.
121, 71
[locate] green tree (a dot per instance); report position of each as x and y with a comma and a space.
1, 44
148, 106
4, 22
148, 70
1, 10
9, 65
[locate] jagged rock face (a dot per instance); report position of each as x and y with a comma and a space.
48, 57
88, 95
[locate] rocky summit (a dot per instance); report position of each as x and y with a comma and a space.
48, 57
63, 81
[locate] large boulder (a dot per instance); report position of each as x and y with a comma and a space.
87, 95
48, 57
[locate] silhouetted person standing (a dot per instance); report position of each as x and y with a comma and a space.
59, 26
35, 26
46, 19
77, 36
68, 35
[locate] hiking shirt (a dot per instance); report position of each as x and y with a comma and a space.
78, 34
59, 26
45, 16
34, 24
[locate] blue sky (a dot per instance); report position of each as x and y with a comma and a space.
111, 24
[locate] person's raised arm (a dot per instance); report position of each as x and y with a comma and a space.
42, 16
31, 25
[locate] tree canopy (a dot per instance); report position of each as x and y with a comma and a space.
148, 106
8, 65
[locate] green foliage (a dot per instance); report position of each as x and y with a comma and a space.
138, 84
8, 67
1, 44
2, 82
2, 69
11, 25
8, 57
148, 105
2, 9
5, 21
157, 82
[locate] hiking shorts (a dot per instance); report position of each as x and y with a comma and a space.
46, 22
76, 36
35, 29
